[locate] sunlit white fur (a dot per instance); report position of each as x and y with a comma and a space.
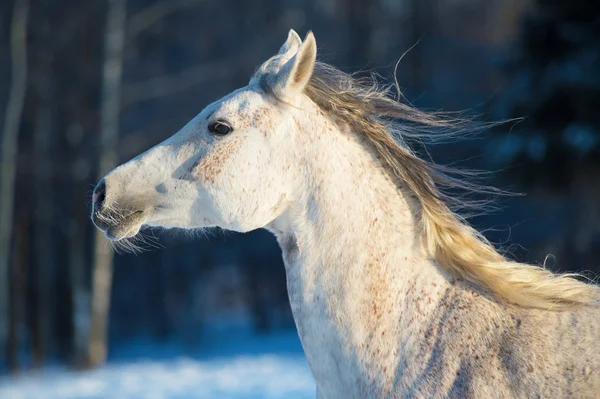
374, 312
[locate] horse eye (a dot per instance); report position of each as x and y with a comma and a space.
220, 128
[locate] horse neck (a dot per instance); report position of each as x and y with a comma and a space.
349, 237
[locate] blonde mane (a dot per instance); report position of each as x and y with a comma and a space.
390, 126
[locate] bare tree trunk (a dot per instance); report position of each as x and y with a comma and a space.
80, 295
18, 279
44, 202
12, 121
111, 104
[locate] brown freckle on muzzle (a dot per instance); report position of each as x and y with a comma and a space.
209, 167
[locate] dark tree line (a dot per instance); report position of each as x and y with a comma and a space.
85, 85
555, 150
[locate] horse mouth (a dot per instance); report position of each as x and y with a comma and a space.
118, 229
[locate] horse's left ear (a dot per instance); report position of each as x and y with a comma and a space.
296, 73
291, 45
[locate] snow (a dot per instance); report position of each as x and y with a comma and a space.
270, 366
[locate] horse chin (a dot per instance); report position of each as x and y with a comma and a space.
117, 233
127, 228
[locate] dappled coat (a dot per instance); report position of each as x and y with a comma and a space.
393, 294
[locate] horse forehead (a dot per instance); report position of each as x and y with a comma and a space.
246, 109
245, 100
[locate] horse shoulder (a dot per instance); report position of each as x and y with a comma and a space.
474, 346
559, 351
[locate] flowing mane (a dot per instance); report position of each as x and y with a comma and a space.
383, 285
390, 126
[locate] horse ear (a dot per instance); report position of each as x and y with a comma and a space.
291, 45
296, 73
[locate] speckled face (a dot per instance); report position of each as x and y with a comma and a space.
238, 175
224, 168
228, 167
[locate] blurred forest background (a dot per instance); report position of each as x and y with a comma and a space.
85, 85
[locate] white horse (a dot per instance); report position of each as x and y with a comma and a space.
392, 293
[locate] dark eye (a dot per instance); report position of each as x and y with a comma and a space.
219, 127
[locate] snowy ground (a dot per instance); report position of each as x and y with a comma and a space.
251, 367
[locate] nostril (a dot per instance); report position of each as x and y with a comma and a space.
99, 195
